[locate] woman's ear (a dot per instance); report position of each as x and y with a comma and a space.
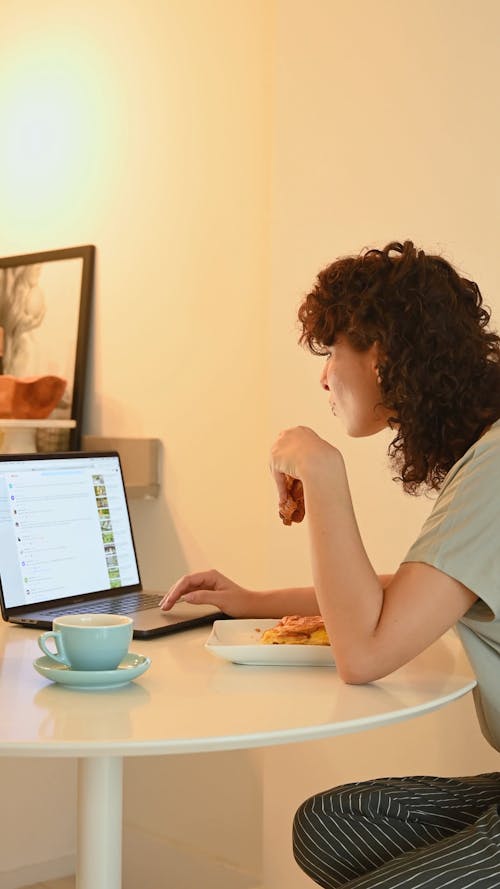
377, 359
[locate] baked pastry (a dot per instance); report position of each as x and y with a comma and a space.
297, 630
292, 509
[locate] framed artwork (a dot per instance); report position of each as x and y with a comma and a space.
44, 315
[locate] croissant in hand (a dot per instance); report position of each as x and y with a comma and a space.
292, 509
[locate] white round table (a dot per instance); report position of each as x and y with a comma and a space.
189, 701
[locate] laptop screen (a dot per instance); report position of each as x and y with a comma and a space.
64, 528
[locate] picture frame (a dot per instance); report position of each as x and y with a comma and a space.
45, 302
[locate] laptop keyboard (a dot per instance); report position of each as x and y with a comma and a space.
126, 603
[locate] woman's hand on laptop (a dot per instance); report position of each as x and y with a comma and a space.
212, 588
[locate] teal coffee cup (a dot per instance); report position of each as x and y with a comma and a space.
88, 641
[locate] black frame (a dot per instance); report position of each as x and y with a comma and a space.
87, 254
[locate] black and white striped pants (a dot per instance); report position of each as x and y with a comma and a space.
409, 833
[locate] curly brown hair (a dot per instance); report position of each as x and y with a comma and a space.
440, 367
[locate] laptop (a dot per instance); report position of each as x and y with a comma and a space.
66, 545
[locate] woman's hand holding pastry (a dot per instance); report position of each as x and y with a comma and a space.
295, 453
298, 451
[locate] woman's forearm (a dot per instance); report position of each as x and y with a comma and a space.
296, 600
349, 592
278, 603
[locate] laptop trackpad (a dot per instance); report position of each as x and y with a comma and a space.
183, 612
155, 622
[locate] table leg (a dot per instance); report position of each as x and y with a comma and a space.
99, 832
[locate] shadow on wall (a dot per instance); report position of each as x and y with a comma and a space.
160, 553
174, 833
159, 550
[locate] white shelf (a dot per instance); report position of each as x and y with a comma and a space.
19, 436
6, 423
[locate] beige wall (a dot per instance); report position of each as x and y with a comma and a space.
383, 129
218, 154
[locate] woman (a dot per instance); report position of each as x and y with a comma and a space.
407, 345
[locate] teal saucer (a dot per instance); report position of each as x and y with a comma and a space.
132, 666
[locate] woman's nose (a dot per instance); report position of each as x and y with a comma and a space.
322, 380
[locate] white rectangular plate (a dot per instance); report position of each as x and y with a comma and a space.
238, 641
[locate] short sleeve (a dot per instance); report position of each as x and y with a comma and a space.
461, 537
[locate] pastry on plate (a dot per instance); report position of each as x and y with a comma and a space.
297, 630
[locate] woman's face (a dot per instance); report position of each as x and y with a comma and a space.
351, 379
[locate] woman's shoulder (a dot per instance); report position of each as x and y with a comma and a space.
478, 459
490, 437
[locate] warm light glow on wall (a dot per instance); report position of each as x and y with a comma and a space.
40, 137
53, 112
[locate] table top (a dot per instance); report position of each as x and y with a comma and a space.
189, 701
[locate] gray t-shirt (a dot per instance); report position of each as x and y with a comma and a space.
461, 537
